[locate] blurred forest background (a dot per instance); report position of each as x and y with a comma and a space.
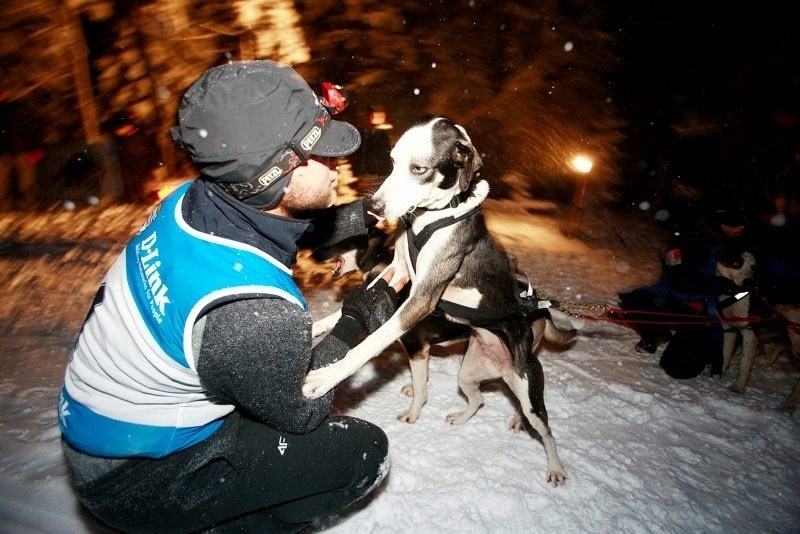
670, 100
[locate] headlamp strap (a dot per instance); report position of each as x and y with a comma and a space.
295, 155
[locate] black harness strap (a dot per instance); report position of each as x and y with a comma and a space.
730, 300
487, 318
417, 241
526, 306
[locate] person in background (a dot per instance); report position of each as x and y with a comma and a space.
138, 157
20, 152
689, 287
182, 406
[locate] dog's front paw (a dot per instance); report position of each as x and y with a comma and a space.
325, 325
458, 418
408, 417
319, 381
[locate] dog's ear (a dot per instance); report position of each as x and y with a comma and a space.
467, 161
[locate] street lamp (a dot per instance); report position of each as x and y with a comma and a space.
582, 164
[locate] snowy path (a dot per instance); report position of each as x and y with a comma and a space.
644, 453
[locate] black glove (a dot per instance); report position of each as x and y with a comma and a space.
365, 310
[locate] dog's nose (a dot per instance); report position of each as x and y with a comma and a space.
376, 206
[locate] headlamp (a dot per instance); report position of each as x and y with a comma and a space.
334, 98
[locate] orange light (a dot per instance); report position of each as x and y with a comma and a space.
582, 164
164, 191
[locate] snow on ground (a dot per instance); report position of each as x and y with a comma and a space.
643, 452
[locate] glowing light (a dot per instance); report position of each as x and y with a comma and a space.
582, 164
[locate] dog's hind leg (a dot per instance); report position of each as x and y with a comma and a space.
527, 384
530, 392
749, 346
790, 404
729, 338
538, 329
486, 358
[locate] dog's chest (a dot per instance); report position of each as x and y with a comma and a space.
425, 244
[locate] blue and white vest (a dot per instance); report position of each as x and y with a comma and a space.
131, 387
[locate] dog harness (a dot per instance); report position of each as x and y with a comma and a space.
527, 304
417, 241
131, 387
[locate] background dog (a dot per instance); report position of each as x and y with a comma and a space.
448, 254
739, 270
791, 315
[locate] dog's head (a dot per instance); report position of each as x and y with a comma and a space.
736, 266
433, 162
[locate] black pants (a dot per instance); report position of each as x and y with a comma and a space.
246, 477
654, 329
691, 346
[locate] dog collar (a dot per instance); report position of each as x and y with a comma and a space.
454, 202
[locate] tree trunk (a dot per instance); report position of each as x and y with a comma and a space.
111, 183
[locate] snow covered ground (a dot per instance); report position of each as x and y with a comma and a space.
643, 452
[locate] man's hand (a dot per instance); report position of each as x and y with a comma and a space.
364, 309
372, 306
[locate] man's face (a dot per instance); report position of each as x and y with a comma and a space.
732, 231
312, 186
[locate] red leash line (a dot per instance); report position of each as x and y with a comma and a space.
685, 319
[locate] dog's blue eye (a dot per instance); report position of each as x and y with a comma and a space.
416, 169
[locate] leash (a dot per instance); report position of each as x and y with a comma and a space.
670, 319
630, 317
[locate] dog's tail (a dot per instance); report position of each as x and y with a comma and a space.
544, 329
555, 334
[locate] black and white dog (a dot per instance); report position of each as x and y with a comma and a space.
458, 273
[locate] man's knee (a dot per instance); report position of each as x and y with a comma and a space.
372, 453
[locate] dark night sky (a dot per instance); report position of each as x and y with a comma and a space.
728, 78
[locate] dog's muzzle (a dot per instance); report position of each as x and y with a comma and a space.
376, 208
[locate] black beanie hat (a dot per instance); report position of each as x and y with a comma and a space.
248, 124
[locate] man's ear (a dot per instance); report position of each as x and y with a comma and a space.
467, 161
